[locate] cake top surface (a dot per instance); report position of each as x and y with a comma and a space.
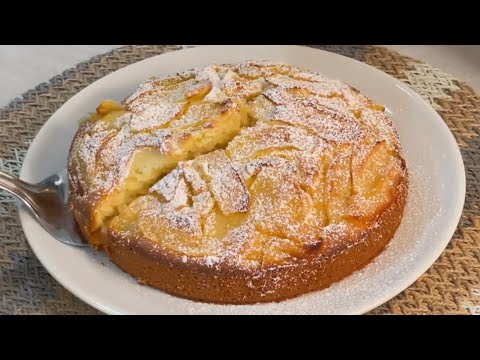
257, 163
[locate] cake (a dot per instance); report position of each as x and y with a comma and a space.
239, 183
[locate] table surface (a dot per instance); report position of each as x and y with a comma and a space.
23, 67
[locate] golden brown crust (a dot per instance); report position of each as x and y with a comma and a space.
80, 202
234, 286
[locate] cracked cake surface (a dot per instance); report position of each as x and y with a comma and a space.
239, 183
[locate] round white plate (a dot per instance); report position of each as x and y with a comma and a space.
434, 206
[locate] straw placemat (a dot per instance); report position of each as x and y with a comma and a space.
451, 286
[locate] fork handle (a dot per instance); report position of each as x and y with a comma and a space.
19, 188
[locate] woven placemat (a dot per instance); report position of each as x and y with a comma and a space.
451, 286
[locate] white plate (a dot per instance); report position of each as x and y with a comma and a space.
432, 213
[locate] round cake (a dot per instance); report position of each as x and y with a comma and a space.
239, 183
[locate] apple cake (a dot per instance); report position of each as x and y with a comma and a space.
239, 183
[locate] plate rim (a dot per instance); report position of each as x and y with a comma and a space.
433, 257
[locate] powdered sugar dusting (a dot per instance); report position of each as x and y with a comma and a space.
155, 115
91, 145
226, 185
211, 260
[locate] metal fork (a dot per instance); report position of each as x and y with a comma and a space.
47, 200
